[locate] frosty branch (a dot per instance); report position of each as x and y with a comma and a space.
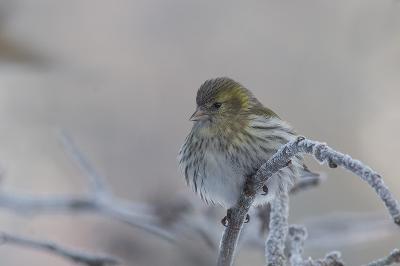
181, 223
278, 222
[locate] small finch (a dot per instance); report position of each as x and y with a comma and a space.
232, 136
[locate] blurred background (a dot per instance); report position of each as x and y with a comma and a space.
121, 77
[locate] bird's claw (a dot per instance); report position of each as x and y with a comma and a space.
332, 164
225, 221
265, 190
300, 138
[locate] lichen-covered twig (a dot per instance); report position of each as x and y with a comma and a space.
393, 257
53, 248
279, 160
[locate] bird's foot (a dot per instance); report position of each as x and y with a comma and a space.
300, 138
225, 220
247, 219
332, 164
265, 190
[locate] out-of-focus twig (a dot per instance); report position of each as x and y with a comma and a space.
97, 182
139, 216
104, 201
306, 183
58, 250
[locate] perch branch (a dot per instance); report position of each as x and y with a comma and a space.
279, 160
53, 248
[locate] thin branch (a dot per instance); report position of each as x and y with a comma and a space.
278, 228
53, 248
323, 153
98, 182
139, 216
103, 199
393, 257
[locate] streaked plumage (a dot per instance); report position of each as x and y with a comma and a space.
232, 136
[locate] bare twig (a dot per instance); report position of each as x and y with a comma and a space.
394, 257
53, 248
103, 200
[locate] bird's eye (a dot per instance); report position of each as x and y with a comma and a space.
217, 105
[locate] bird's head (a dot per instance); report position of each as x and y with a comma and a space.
221, 100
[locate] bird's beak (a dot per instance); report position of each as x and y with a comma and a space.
198, 115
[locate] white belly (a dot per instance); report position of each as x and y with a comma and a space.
223, 182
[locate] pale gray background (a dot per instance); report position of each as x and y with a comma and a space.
121, 76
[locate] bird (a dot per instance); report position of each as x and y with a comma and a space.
232, 135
